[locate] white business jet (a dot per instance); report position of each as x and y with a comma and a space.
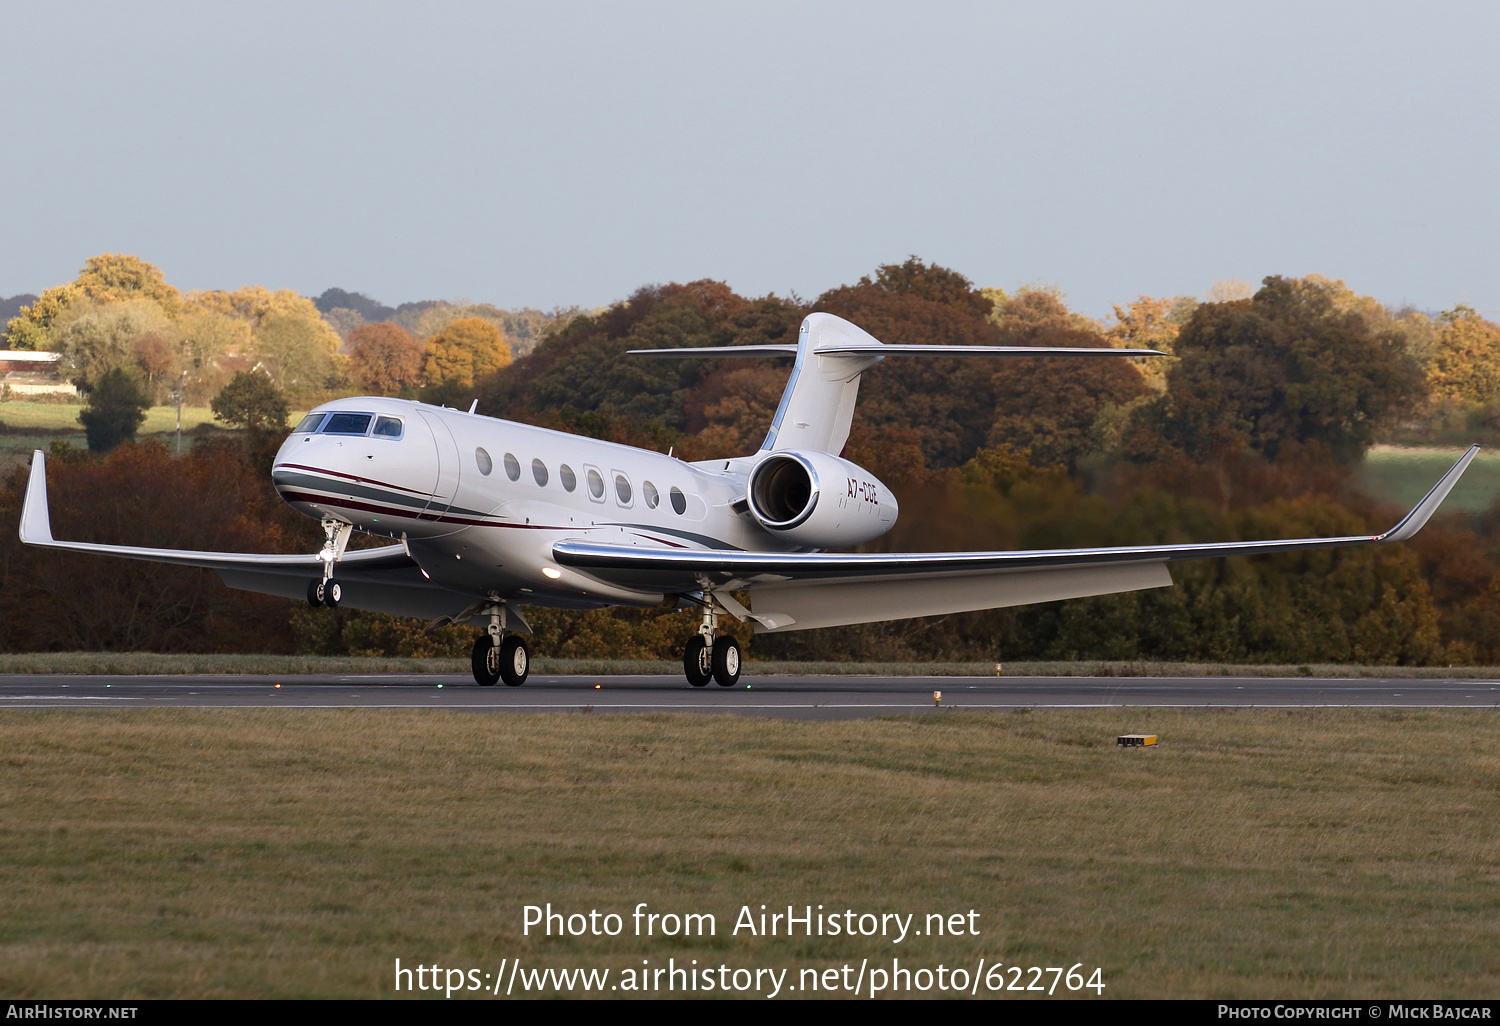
489, 515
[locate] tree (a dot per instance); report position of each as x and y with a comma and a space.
385, 358
299, 353
141, 494
1282, 371
1465, 359
111, 277
116, 407
95, 336
29, 330
1150, 323
251, 401
105, 279
467, 349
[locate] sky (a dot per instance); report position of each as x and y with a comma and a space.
566, 153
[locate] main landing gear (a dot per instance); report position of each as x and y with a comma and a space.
709, 655
499, 657
328, 591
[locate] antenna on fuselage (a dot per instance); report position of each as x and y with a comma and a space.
474, 406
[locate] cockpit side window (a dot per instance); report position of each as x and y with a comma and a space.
348, 424
309, 423
387, 427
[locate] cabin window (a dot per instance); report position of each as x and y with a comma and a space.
309, 423
653, 497
622, 488
387, 427
348, 424
512, 467
596, 485
539, 471
679, 501
567, 477
485, 463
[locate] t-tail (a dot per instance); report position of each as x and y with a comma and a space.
818, 405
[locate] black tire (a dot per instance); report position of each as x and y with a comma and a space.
315, 593
485, 662
726, 662
515, 661
333, 593
697, 661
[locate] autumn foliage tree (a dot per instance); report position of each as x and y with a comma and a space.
1465, 359
142, 495
1281, 373
466, 349
385, 358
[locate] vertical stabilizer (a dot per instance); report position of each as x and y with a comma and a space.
818, 404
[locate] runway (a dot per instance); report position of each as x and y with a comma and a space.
810, 697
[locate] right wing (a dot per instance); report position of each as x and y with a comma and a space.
385, 580
798, 590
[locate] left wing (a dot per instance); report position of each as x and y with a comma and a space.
795, 591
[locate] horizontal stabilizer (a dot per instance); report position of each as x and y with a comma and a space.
714, 352
883, 350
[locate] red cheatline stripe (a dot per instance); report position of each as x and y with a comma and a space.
351, 477
391, 511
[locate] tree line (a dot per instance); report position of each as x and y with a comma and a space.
1249, 428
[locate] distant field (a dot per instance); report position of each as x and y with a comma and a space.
64, 416
249, 853
1402, 476
29, 426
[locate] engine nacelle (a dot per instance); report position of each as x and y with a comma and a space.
819, 501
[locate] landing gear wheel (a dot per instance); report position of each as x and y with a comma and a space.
515, 661
333, 594
485, 661
315, 593
697, 661
726, 662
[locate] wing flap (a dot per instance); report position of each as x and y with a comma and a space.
837, 603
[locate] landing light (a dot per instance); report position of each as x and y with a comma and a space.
550, 573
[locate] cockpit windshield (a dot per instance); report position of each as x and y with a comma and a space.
348, 424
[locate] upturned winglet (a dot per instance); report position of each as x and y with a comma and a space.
1422, 511
36, 522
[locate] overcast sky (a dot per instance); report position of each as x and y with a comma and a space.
566, 153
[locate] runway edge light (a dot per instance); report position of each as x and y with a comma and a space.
1135, 740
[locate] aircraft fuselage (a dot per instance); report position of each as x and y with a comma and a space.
480, 501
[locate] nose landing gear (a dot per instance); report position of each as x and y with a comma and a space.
710, 655
329, 592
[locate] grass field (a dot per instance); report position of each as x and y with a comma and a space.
181, 853
30, 426
1402, 476
53, 417
172, 663
27, 426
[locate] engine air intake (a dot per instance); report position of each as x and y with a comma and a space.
783, 491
